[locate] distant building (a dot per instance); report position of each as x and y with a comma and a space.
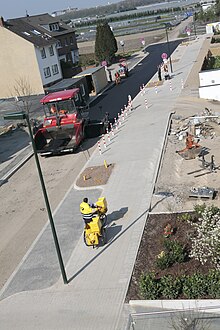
63, 11
207, 4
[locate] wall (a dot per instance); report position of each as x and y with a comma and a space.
17, 61
209, 84
48, 62
99, 79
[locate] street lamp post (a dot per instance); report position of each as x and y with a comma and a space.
194, 23
23, 115
169, 53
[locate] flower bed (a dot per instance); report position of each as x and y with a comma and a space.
178, 257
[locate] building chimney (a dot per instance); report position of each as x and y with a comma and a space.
2, 22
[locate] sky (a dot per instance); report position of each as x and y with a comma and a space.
17, 8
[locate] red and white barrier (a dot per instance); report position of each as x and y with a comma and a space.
100, 150
130, 102
182, 84
119, 119
112, 130
170, 86
104, 142
116, 124
108, 135
146, 103
141, 90
122, 115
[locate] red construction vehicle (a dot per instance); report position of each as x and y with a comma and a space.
64, 123
123, 68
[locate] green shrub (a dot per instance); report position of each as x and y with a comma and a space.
170, 287
149, 286
176, 251
191, 286
194, 286
213, 284
199, 209
164, 261
185, 217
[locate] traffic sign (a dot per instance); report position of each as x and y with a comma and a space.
164, 56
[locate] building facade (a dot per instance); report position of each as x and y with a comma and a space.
27, 56
65, 40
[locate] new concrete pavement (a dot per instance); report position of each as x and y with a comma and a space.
35, 296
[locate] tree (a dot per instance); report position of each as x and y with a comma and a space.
22, 92
217, 8
105, 43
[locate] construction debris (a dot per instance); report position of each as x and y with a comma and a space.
203, 192
203, 125
192, 149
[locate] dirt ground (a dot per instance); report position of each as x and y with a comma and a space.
186, 174
133, 41
95, 176
152, 245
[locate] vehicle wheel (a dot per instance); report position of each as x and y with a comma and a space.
84, 238
104, 220
103, 238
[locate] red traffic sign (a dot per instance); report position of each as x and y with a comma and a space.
164, 56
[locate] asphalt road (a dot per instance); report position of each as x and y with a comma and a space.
115, 98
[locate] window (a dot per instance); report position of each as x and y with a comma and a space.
69, 57
76, 97
37, 33
82, 88
51, 50
71, 40
55, 69
59, 44
47, 72
54, 27
43, 53
65, 42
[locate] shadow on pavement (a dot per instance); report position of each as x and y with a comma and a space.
108, 245
112, 231
116, 215
12, 142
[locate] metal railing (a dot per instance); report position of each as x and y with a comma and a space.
201, 318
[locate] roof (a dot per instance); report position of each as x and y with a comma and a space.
29, 33
63, 84
60, 96
89, 71
39, 21
32, 28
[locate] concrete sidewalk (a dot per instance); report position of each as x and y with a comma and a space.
35, 297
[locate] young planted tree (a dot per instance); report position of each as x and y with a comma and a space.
22, 92
105, 43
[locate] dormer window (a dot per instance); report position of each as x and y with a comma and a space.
37, 33
26, 34
54, 27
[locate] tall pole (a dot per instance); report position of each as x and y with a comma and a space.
169, 54
194, 23
60, 259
